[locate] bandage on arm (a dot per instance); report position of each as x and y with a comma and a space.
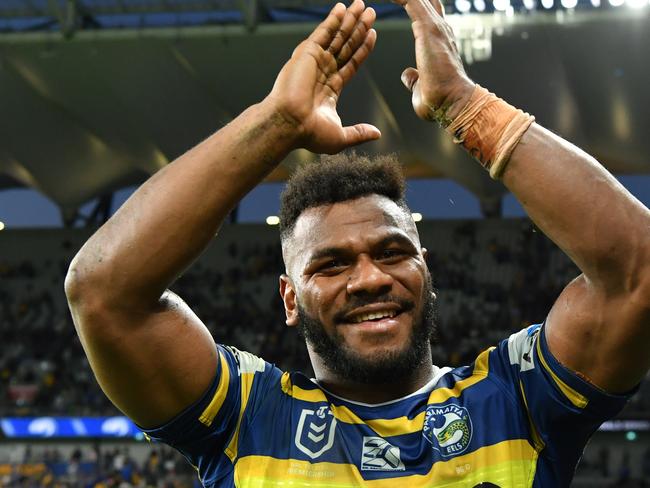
489, 129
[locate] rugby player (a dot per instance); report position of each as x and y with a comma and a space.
378, 412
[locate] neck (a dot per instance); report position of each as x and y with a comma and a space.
379, 392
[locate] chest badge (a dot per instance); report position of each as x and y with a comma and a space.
448, 428
315, 432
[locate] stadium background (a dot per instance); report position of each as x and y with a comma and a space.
97, 94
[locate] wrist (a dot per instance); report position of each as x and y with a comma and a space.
455, 101
489, 129
459, 97
287, 128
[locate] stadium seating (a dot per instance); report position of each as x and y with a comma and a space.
493, 277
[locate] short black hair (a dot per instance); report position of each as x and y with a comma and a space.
338, 178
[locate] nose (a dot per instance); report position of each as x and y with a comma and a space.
368, 278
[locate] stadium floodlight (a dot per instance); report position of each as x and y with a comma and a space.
2, 225
637, 3
501, 5
569, 4
463, 6
479, 5
595, 3
529, 4
273, 220
616, 3
417, 216
548, 3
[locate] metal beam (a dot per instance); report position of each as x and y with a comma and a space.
254, 12
67, 15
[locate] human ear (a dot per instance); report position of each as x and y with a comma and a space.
288, 294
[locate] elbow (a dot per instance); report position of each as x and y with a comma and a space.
78, 281
77, 291
72, 284
97, 288
92, 315
82, 287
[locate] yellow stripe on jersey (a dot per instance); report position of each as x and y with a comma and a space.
508, 464
211, 411
246, 381
574, 397
481, 370
315, 395
537, 439
397, 426
383, 427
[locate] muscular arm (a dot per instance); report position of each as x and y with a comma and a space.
600, 325
151, 355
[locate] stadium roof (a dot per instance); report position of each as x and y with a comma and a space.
87, 111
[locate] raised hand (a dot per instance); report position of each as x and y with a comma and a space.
308, 87
439, 86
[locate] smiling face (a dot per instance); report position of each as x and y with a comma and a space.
359, 288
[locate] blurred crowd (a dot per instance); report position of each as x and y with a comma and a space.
599, 470
492, 278
116, 466
97, 467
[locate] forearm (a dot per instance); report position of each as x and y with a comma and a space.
582, 208
567, 194
173, 216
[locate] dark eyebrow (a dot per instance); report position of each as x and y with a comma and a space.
395, 238
340, 252
328, 252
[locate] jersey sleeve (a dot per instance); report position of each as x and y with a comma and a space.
564, 410
207, 433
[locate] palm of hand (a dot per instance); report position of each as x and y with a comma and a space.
309, 85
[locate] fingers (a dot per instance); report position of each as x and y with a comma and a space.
347, 27
354, 63
357, 37
409, 78
438, 7
327, 29
423, 10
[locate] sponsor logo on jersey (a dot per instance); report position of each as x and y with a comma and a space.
315, 432
380, 455
448, 428
521, 346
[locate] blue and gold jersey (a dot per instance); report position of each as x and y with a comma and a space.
514, 418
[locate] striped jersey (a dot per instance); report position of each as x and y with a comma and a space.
514, 418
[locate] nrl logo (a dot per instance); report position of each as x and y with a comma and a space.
315, 432
448, 428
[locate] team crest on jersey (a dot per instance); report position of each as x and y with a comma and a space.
315, 432
448, 428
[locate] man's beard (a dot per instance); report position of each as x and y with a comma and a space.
390, 366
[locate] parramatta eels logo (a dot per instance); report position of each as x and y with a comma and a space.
448, 428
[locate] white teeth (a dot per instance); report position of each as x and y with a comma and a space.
374, 316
